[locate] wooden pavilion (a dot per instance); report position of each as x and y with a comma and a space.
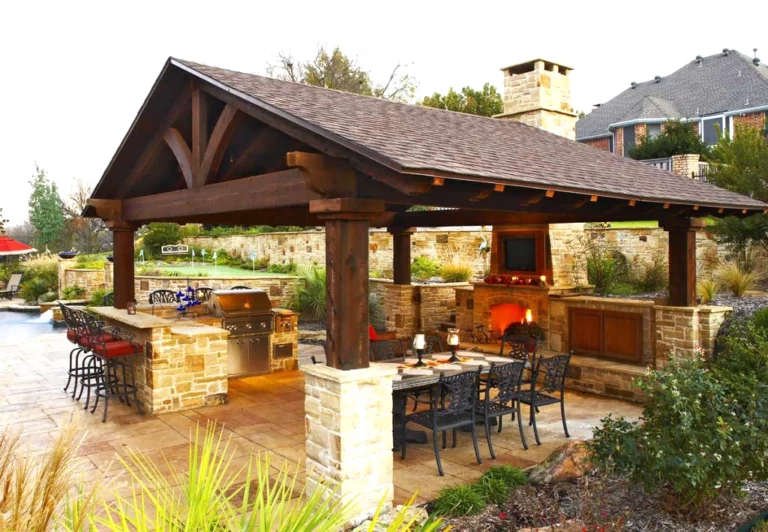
220, 147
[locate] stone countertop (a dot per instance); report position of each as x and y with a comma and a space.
141, 320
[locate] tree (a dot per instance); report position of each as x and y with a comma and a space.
677, 138
88, 235
3, 221
157, 235
740, 164
485, 102
46, 210
337, 71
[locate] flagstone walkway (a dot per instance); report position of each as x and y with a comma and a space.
264, 415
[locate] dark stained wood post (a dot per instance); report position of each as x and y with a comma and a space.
346, 262
122, 250
682, 260
401, 254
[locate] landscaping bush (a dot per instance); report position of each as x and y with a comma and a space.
291, 268
423, 268
511, 476
41, 276
72, 292
654, 276
97, 298
737, 280
91, 262
707, 289
606, 266
310, 296
456, 273
465, 499
158, 235
703, 434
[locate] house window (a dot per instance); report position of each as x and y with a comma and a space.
610, 144
711, 128
652, 130
629, 139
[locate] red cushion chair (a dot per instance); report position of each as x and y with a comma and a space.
115, 349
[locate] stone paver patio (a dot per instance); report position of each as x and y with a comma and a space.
264, 415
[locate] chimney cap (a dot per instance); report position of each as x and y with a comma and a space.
530, 66
699, 59
756, 61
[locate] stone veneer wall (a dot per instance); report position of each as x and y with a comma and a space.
280, 289
349, 435
179, 372
682, 331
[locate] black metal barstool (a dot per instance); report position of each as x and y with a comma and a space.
113, 366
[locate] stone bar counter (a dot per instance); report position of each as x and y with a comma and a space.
184, 361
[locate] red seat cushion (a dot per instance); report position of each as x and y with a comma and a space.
87, 341
72, 336
115, 349
372, 333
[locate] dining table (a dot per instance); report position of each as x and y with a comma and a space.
412, 378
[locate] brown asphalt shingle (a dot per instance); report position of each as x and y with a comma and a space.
411, 138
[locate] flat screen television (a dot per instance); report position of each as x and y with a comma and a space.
520, 253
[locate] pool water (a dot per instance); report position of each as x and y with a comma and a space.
20, 327
212, 271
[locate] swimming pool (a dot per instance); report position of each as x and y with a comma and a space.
20, 327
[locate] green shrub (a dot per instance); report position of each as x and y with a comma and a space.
512, 477
762, 526
760, 320
700, 436
707, 289
34, 288
423, 268
91, 262
44, 268
72, 292
310, 296
158, 235
654, 276
606, 266
291, 268
677, 138
493, 490
97, 298
456, 273
465, 499
737, 280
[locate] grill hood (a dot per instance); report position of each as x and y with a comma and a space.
239, 302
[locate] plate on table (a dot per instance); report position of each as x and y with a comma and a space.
476, 363
413, 360
441, 358
450, 367
500, 359
471, 354
417, 371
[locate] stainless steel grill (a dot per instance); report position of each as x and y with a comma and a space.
247, 315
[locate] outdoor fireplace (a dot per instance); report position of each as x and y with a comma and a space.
505, 314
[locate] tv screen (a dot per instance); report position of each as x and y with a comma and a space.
520, 253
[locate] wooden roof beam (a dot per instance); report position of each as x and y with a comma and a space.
175, 140
327, 176
218, 143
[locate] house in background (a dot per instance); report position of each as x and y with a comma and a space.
713, 92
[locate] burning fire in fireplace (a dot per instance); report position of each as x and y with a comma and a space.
505, 314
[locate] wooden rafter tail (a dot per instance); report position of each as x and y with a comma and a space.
438, 181
483, 194
695, 207
666, 205
593, 198
632, 203
498, 188
550, 194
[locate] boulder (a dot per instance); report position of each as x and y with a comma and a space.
569, 462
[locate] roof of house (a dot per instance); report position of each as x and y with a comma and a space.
716, 84
422, 140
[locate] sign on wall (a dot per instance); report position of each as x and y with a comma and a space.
176, 249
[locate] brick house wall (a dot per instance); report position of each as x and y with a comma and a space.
601, 143
752, 120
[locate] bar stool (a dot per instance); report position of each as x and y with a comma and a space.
112, 359
79, 358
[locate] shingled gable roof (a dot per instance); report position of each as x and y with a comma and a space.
718, 84
421, 140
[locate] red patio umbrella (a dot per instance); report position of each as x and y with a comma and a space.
9, 247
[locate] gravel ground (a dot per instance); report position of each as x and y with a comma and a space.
747, 304
602, 503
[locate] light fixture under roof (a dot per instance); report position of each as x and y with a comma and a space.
726, 51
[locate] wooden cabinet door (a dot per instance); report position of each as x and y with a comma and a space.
586, 331
623, 336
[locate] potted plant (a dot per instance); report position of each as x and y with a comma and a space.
529, 329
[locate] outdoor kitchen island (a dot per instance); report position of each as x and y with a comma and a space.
185, 362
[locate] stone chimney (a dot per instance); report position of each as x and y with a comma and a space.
538, 93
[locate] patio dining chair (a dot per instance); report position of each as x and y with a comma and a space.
434, 344
507, 379
382, 350
162, 296
203, 293
551, 372
455, 409
13, 286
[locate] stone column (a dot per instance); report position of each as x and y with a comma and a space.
349, 434
122, 250
686, 164
402, 309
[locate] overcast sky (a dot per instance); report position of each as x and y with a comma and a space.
74, 74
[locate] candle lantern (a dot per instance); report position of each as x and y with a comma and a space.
131, 307
453, 344
419, 343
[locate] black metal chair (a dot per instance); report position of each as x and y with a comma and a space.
434, 343
551, 371
108, 300
381, 350
520, 348
456, 409
203, 293
240, 287
162, 296
507, 380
